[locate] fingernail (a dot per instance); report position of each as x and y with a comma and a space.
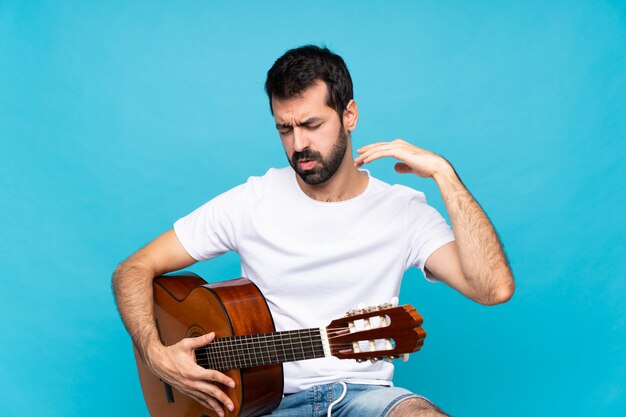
231, 407
231, 384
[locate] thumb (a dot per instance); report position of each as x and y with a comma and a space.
402, 168
196, 342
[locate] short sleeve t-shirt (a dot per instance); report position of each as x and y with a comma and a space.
315, 260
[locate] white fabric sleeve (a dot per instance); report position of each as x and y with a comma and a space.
212, 228
427, 232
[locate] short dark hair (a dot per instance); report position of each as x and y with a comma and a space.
300, 68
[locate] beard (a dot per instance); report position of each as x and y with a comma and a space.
325, 168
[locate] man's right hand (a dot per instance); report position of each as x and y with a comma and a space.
177, 366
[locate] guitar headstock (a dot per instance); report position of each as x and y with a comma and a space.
376, 333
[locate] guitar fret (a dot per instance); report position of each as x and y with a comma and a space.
302, 349
260, 349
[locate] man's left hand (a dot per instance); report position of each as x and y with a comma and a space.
413, 159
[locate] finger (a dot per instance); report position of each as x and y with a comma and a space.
210, 403
370, 146
398, 144
395, 142
212, 391
197, 342
214, 376
381, 153
370, 151
205, 399
195, 391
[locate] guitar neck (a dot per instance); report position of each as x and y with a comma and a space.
237, 352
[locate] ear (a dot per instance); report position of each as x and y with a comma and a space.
351, 116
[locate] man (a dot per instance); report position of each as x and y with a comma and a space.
318, 238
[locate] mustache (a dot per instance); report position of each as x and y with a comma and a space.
308, 154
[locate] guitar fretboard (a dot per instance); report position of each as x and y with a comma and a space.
236, 352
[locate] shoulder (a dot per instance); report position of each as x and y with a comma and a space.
272, 179
397, 191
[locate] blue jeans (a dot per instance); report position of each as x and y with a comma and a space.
360, 401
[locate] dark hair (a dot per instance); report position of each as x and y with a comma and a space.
299, 68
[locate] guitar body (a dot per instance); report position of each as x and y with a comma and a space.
186, 306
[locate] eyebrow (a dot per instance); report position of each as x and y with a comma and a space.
306, 122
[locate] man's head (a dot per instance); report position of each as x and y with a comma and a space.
299, 68
310, 93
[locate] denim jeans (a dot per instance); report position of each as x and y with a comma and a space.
360, 401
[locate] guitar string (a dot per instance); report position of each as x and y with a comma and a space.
272, 337
332, 335
263, 343
260, 340
221, 362
258, 344
251, 358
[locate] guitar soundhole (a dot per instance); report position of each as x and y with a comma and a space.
194, 331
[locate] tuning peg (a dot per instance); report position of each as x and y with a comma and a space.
354, 312
392, 303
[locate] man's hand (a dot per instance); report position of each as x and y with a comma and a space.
475, 263
176, 365
413, 159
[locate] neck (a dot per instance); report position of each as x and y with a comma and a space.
348, 182
236, 352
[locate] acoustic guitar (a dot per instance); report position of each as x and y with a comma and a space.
248, 348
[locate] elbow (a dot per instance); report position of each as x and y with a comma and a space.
500, 294
117, 277
120, 271
130, 268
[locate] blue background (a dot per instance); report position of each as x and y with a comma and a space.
117, 118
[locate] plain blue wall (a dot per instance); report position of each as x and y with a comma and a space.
116, 118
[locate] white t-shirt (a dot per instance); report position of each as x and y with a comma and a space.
313, 260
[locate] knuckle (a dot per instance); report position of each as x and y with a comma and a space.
182, 343
222, 397
217, 376
214, 405
185, 374
190, 373
208, 403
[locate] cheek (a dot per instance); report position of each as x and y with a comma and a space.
327, 136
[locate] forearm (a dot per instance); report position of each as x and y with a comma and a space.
483, 261
132, 285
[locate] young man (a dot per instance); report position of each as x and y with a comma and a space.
320, 237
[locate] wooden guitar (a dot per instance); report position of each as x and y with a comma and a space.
247, 347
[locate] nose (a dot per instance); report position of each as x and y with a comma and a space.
300, 140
